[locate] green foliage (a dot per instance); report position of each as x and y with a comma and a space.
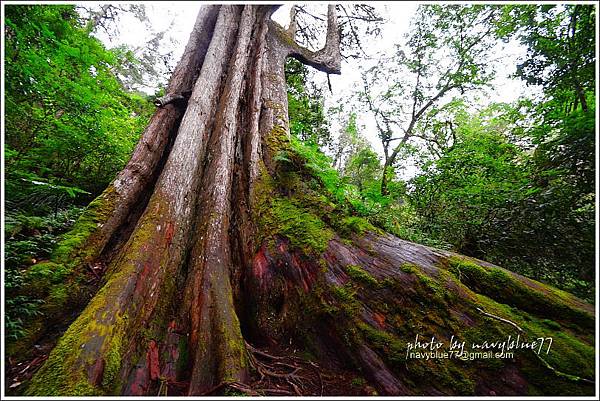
457, 194
560, 45
17, 309
68, 120
349, 143
491, 196
320, 166
363, 168
32, 194
29, 239
304, 230
305, 106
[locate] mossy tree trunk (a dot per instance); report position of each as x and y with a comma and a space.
234, 249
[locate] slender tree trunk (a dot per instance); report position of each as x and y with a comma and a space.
234, 262
580, 95
384, 178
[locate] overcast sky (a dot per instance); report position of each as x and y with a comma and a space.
178, 19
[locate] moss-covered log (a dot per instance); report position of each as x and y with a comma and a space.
243, 273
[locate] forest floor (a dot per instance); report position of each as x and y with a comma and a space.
19, 372
285, 371
276, 371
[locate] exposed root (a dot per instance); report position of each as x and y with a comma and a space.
290, 371
246, 389
276, 375
318, 375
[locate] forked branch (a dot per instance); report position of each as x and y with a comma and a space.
328, 59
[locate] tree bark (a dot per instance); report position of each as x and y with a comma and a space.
108, 221
234, 263
384, 177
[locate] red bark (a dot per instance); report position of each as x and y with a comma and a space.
153, 362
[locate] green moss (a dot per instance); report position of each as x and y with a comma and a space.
113, 359
277, 141
358, 382
409, 268
354, 225
347, 302
72, 247
456, 378
507, 288
387, 344
304, 230
64, 373
551, 324
359, 274
387, 283
344, 293
431, 289
568, 353
233, 349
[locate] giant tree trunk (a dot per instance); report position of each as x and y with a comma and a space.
226, 266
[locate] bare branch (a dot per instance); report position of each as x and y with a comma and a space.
305, 11
353, 31
328, 59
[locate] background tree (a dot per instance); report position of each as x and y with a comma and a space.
67, 118
546, 189
561, 201
447, 51
363, 168
349, 142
